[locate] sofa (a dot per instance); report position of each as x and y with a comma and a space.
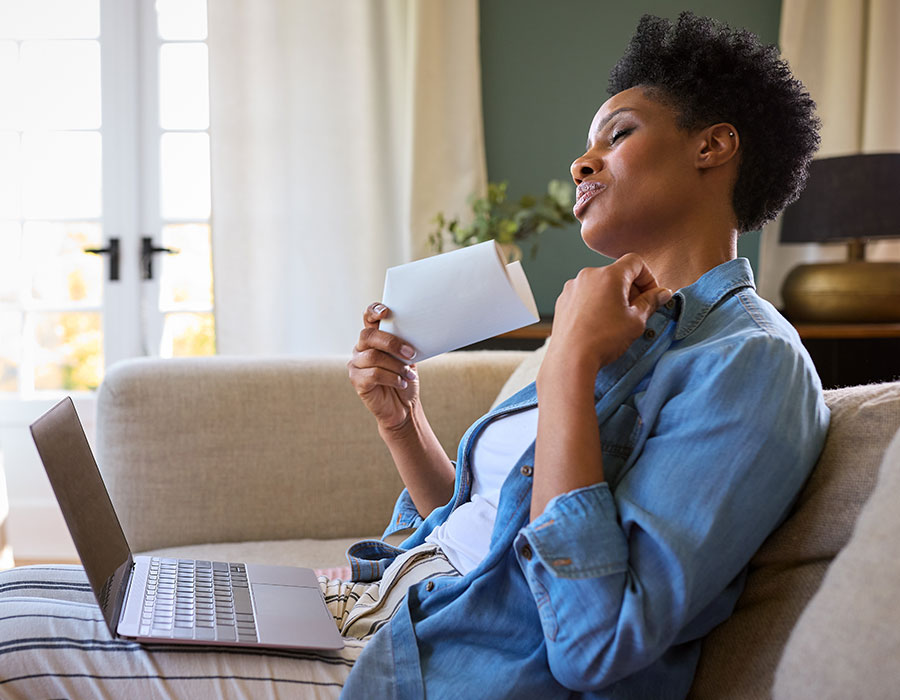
276, 461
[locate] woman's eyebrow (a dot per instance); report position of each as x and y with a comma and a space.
605, 121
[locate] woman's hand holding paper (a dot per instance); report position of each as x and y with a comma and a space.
381, 373
388, 385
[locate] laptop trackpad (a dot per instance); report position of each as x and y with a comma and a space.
294, 616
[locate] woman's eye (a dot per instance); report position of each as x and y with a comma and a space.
619, 134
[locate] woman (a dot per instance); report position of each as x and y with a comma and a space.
596, 560
589, 544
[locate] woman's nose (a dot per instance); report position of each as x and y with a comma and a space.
584, 167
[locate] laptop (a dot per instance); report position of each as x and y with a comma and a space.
156, 599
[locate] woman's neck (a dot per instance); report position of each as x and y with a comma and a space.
681, 261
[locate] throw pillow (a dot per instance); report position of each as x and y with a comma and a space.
847, 642
740, 656
523, 375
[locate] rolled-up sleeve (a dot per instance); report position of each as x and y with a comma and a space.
621, 574
404, 516
588, 515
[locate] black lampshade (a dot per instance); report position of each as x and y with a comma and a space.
847, 197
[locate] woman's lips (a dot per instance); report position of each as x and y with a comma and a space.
585, 192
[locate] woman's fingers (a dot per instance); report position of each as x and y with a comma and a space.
381, 370
380, 358
649, 301
368, 378
364, 359
637, 272
371, 337
375, 313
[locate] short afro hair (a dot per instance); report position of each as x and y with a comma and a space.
709, 73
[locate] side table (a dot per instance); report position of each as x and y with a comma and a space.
845, 354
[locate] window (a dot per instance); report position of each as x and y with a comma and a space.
85, 159
186, 290
50, 196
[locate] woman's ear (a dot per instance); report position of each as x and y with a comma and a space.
718, 144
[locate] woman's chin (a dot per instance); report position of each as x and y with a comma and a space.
614, 242
601, 244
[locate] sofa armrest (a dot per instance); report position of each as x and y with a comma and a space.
237, 449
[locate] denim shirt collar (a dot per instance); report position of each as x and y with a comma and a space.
699, 298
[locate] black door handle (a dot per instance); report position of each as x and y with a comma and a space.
147, 252
114, 253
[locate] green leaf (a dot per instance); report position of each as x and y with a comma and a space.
495, 217
561, 192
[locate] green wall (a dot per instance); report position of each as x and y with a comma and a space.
544, 67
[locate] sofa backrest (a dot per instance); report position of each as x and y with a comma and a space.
235, 449
740, 656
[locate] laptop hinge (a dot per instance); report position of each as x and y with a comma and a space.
130, 619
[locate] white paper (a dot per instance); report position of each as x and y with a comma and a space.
451, 300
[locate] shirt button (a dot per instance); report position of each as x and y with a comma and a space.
526, 552
671, 303
527, 470
429, 586
649, 334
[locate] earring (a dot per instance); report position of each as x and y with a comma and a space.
731, 133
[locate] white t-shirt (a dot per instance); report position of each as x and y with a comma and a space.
465, 536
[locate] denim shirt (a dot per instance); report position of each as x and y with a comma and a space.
710, 424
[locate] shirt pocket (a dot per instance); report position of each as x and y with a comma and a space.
618, 435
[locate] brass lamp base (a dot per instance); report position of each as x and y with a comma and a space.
847, 292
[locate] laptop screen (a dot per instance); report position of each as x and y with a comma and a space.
85, 505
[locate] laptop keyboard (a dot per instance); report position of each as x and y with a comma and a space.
201, 600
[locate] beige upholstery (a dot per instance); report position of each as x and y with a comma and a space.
523, 375
233, 450
321, 554
267, 460
847, 642
739, 657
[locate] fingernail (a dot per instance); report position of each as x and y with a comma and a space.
410, 374
403, 383
407, 352
378, 308
664, 296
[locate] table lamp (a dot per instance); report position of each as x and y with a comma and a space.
847, 199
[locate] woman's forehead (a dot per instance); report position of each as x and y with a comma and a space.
635, 99
630, 100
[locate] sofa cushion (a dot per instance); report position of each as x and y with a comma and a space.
315, 554
847, 642
310, 553
789, 567
522, 375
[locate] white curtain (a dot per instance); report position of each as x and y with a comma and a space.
338, 131
847, 54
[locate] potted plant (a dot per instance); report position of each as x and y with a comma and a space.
508, 223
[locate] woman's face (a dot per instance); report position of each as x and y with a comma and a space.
637, 180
